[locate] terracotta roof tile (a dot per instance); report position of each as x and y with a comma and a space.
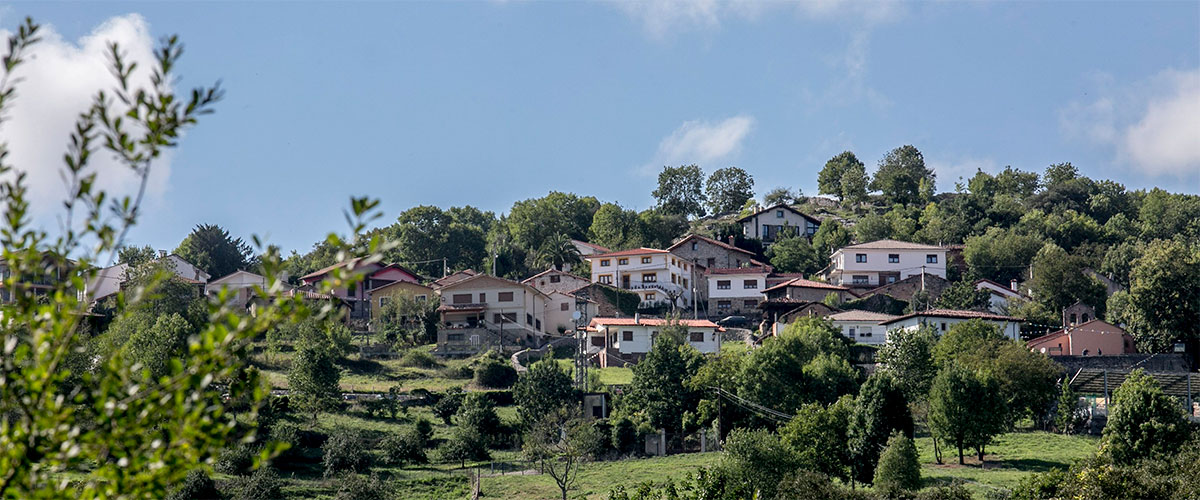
622, 253
953, 313
691, 323
803, 283
892, 244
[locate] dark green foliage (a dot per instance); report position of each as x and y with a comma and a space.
478, 414
898, 471
964, 296
1164, 310
263, 484
756, 460
313, 378
465, 444
424, 430
419, 358
135, 256
344, 451
1000, 255
535, 221
818, 436
1144, 422
679, 190
211, 248
903, 178
447, 405
545, 387
405, 447
1171, 477
843, 176
908, 357
880, 303
728, 189
495, 374
360, 487
806, 363
427, 232
659, 390
624, 436
955, 491
235, 460
615, 228
879, 411
794, 255
196, 486
1067, 414
780, 196
1058, 281
965, 409
830, 236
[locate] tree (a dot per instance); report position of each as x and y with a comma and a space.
659, 229
830, 180
1026, 381
535, 221
728, 189
898, 471
965, 409
854, 183
404, 447
679, 190
121, 433
478, 414
658, 390
776, 372
615, 228
872, 228
1060, 173
559, 251
559, 441
879, 410
794, 255
1000, 255
817, 436
963, 296
212, 249
313, 378
756, 461
425, 233
1067, 415
465, 444
1144, 422
135, 256
900, 174
1163, 311
780, 196
541, 390
1058, 281
343, 451
830, 236
908, 357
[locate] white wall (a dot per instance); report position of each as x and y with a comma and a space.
662, 265
845, 265
855, 330
1010, 329
737, 287
641, 342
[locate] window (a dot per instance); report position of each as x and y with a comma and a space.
1085, 352
454, 337
860, 280
646, 260
605, 262
383, 301
864, 331
1072, 318
649, 278
779, 214
943, 326
891, 279
723, 304
750, 303
565, 306
350, 291
505, 297
537, 324
684, 282
674, 279
497, 318
598, 341
554, 278
931, 259
696, 336
722, 284
510, 317
622, 262
893, 258
528, 319
1085, 320
626, 336
750, 284
482, 298
712, 262
673, 261
604, 278
860, 257
852, 332
650, 297
597, 412
695, 245
461, 298
421, 298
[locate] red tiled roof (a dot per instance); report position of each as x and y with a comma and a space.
691, 323
622, 253
740, 270
352, 263
893, 244
803, 283
857, 315
952, 313
710, 240
454, 278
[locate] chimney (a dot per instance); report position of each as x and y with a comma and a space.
730, 238
637, 317
162, 254
1013, 285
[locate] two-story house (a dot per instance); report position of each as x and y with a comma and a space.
712, 254
777, 222
884, 261
240, 286
736, 290
560, 288
371, 275
108, 281
627, 340
657, 275
482, 311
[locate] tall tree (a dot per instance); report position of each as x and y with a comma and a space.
559, 440
817, 435
900, 174
615, 228
659, 390
829, 179
558, 251
1058, 281
216, 252
543, 389
794, 255
1164, 295
1000, 254
963, 408
680, 190
136, 256
879, 410
1144, 423
659, 229
728, 189
963, 296
424, 235
781, 195
535, 221
854, 182
908, 356
313, 378
830, 236
1060, 173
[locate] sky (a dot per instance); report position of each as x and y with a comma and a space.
486, 103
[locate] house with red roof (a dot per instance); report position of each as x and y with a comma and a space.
620, 341
736, 290
370, 275
881, 262
658, 276
942, 319
1091, 338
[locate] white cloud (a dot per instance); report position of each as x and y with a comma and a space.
58, 81
661, 18
1152, 125
702, 142
951, 170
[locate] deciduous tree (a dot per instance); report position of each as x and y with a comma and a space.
1144, 423
728, 189
680, 190
900, 174
212, 249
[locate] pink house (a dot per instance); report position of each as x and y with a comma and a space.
373, 275
1093, 338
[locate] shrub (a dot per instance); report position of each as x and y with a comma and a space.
804, 485
344, 452
264, 484
898, 471
235, 460
424, 429
359, 487
196, 486
478, 414
403, 448
624, 435
419, 358
447, 405
464, 444
495, 374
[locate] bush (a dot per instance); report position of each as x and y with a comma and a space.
898, 471
804, 485
424, 429
478, 414
624, 436
264, 484
359, 487
344, 452
403, 448
235, 460
495, 374
464, 444
196, 486
419, 358
447, 405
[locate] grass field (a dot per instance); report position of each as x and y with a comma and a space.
1010, 458
597, 479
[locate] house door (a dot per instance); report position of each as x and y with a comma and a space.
625, 282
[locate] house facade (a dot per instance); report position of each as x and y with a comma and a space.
942, 319
486, 311
108, 281
553, 280
862, 327
884, 261
371, 275
776, 222
240, 286
712, 254
1092, 338
999, 295
628, 340
658, 276
385, 294
802, 290
736, 290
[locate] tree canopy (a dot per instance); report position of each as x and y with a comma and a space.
211, 248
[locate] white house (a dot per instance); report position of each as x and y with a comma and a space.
736, 290
862, 326
629, 339
656, 275
482, 310
778, 221
942, 319
884, 261
999, 295
240, 285
108, 280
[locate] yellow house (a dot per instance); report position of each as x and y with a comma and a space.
380, 296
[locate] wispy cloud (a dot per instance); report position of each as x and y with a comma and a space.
701, 142
59, 80
1151, 125
954, 169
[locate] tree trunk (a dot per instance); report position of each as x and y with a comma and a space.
960, 453
980, 450
937, 452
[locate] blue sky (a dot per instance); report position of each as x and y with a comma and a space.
486, 103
